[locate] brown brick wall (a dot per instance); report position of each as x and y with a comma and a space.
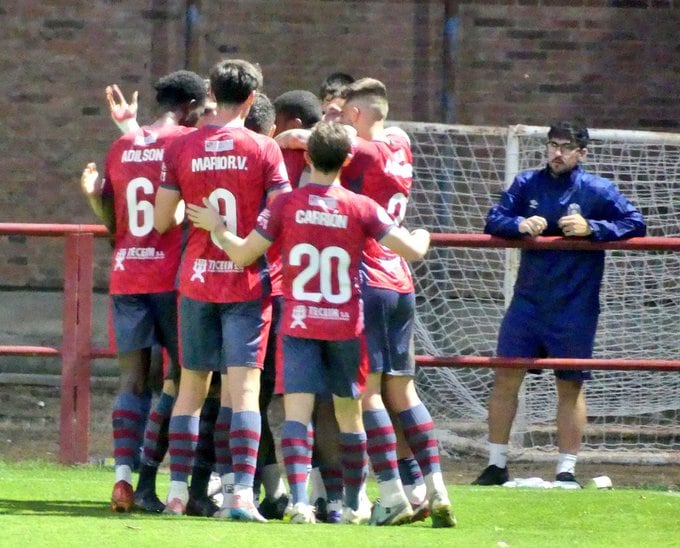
515, 61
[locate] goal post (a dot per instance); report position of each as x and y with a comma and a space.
459, 173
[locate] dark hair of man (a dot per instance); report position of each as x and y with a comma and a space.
233, 80
261, 116
575, 132
328, 146
333, 84
368, 88
299, 103
178, 88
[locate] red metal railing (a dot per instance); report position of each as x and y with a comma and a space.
77, 352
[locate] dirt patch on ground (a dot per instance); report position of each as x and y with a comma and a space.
29, 429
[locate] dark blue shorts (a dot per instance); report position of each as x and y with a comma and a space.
144, 320
388, 324
526, 334
216, 336
314, 366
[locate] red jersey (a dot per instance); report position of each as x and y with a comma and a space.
295, 166
322, 230
383, 170
144, 261
234, 168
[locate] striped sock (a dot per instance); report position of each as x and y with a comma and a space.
126, 419
205, 448
419, 433
332, 480
297, 458
183, 436
244, 440
382, 444
223, 464
156, 433
354, 460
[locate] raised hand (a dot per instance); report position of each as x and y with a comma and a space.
120, 109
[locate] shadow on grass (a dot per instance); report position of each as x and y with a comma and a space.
83, 508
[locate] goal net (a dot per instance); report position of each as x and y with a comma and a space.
459, 173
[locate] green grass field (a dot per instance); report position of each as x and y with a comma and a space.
49, 505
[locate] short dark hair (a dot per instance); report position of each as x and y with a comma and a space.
261, 116
233, 80
177, 88
334, 83
328, 146
576, 132
299, 103
368, 88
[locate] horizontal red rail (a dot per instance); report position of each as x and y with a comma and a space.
549, 363
554, 242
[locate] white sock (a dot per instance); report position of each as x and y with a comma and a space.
435, 484
244, 492
391, 492
317, 486
416, 493
123, 473
178, 490
272, 481
566, 462
227, 489
498, 454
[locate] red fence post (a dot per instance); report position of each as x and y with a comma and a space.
76, 349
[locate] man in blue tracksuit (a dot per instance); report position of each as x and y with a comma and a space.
555, 306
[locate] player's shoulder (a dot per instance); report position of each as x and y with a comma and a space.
397, 136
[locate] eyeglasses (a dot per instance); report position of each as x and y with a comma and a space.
564, 148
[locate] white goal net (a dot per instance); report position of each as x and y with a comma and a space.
459, 172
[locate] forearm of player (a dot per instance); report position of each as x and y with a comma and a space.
243, 251
411, 246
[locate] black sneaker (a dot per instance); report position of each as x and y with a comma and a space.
147, 501
202, 506
274, 509
568, 478
492, 475
321, 510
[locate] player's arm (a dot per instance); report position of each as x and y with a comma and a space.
124, 114
243, 251
410, 245
167, 202
293, 138
102, 206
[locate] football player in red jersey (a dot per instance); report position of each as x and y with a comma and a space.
321, 324
382, 169
143, 269
225, 311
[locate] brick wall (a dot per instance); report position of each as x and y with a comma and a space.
513, 61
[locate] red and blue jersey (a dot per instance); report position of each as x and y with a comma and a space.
383, 171
144, 261
234, 168
322, 230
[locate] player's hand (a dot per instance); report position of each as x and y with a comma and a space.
89, 180
207, 218
120, 109
533, 226
574, 225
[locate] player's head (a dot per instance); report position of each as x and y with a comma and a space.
365, 98
261, 116
183, 92
234, 81
332, 87
297, 108
567, 145
574, 132
328, 146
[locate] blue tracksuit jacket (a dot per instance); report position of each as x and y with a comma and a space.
563, 281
